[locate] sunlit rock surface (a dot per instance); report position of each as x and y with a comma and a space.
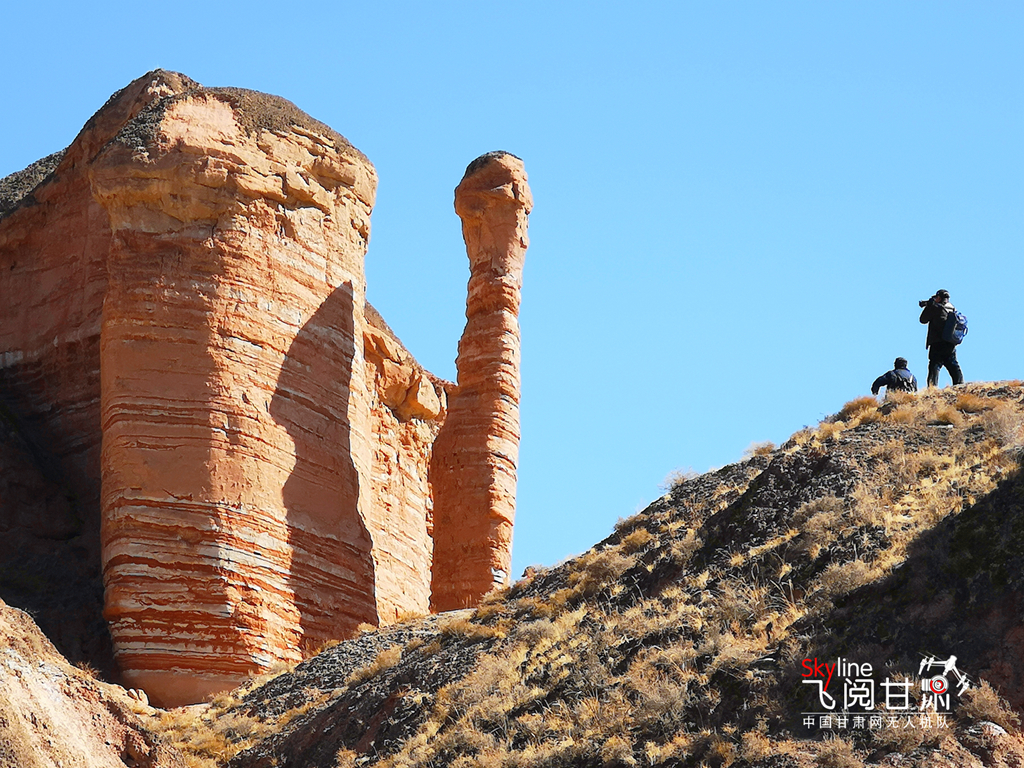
250, 448
477, 453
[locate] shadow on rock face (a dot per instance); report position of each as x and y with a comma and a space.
332, 572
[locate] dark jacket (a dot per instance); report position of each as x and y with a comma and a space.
896, 380
934, 315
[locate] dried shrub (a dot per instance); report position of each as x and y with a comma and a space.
857, 409
927, 464
88, 670
682, 549
982, 702
672, 752
818, 532
660, 700
764, 448
867, 508
949, 415
308, 649
535, 608
840, 578
489, 610
719, 752
1004, 425
830, 430
899, 397
639, 539
386, 659
967, 402
871, 417
739, 602
798, 438
208, 738
599, 569
297, 711
676, 478
459, 627
805, 512
617, 750
837, 753
626, 524
893, 455
900, 416
754, 746
533, 633
899, 408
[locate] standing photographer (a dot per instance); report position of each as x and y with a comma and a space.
940, 352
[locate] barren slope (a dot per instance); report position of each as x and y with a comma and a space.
882, 536
53, 715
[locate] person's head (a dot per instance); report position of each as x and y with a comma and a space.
942, 294
901, 362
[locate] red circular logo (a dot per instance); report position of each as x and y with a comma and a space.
938, 685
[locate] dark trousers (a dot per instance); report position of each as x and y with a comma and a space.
939, 355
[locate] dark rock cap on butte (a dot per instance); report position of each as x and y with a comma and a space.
255, 112
17, 186
481, 161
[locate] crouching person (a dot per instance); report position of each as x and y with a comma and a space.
899, 379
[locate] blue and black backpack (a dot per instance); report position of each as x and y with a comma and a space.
955, 328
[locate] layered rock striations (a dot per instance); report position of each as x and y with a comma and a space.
407, 408
187, 341
236, 459
54, 242
476, 455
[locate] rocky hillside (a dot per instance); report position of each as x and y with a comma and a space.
53, 715
701, 631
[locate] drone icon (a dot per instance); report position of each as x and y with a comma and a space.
939, 684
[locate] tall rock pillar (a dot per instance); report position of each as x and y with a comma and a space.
235, 459
473, 468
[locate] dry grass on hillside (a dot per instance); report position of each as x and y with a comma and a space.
677, 640
209, 735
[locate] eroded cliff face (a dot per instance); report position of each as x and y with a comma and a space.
232, 397
188, 341
54, 242
407, 408
477, 453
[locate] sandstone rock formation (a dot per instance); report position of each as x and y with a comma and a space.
477, 452
187, 344
53, 715
54, 242
232, 396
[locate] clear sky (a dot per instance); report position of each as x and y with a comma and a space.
738, 205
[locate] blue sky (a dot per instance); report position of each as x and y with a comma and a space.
738, 205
